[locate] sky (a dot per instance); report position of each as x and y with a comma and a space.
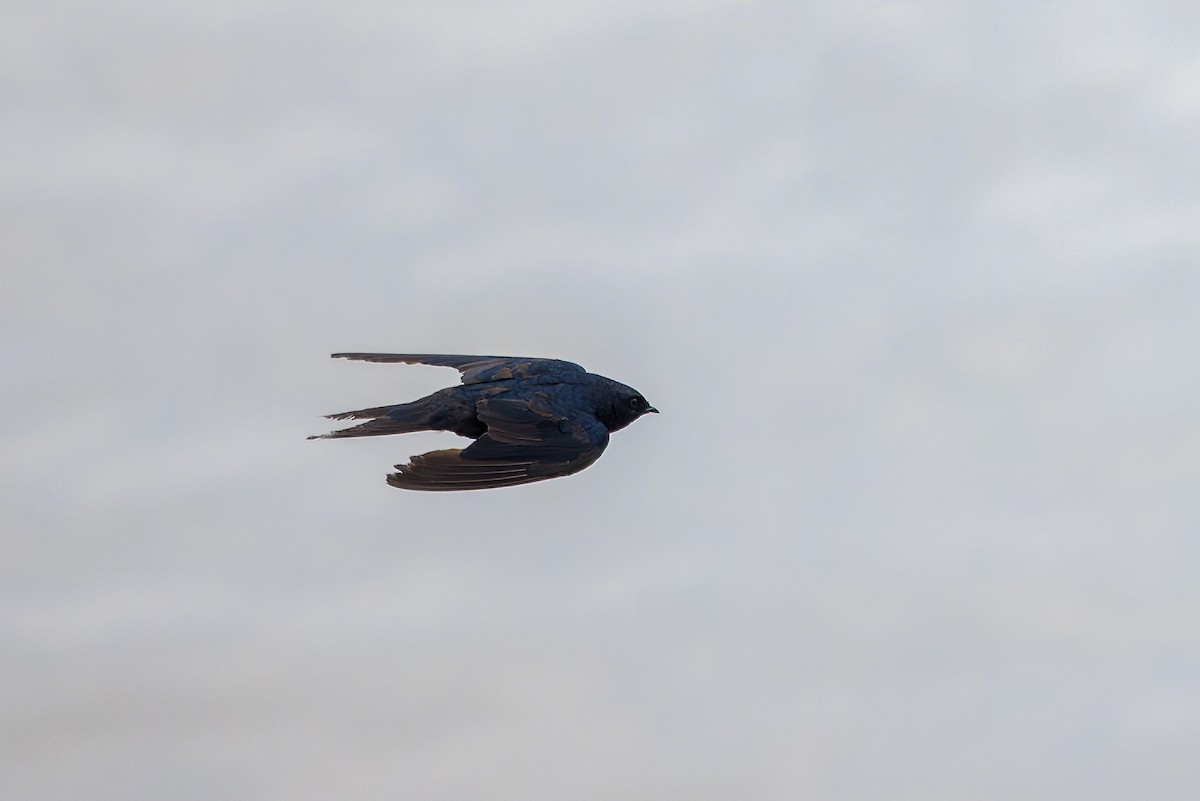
912, 283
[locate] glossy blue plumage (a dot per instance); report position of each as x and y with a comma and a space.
531, 419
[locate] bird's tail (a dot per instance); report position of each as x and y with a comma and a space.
402, 418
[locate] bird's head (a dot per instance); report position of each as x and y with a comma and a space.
627, 406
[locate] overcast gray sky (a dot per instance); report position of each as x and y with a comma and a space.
914, 285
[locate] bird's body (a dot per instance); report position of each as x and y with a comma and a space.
531, 419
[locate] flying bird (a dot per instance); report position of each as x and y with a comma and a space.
531, 419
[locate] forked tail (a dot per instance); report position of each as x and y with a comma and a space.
402, 418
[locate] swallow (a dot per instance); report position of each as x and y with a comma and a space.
530, 419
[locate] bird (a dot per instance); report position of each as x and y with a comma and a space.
532, 419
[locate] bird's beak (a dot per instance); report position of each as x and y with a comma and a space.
652, 410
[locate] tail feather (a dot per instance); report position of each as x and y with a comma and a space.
363, 414
404, 418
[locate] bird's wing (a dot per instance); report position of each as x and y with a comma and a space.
475, 369
523, 443
441, 471
531, 429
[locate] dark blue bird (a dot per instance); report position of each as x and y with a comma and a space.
531, 419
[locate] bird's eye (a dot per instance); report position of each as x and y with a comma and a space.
635, 403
